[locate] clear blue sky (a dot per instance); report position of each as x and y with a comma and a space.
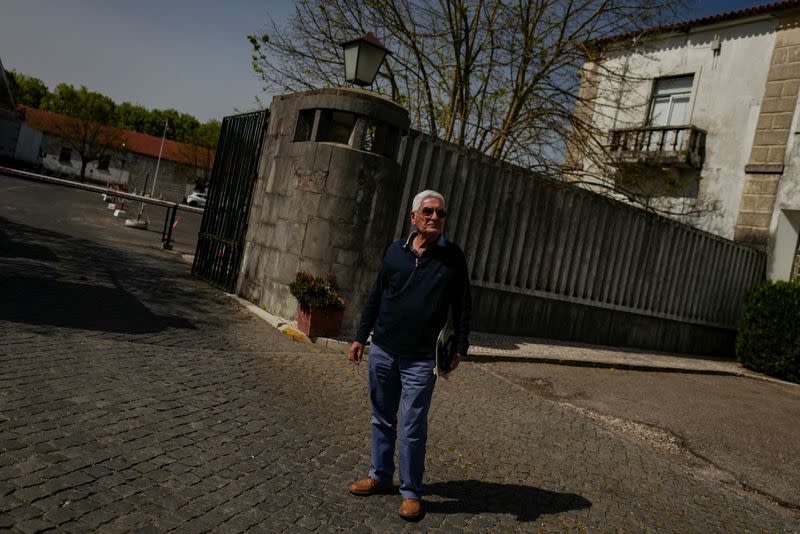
190, 55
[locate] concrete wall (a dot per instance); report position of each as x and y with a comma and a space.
126, 169
527, 315
175, 181
320, 206
784, 262
784, 225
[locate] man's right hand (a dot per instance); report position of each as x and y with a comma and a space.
356, 352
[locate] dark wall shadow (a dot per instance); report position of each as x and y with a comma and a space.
42, 288
16, 249
43, 301
476, 497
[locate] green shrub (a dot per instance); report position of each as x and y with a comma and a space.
768, 340
316, 292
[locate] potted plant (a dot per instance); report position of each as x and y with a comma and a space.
319, 307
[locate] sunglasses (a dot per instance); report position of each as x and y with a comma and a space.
428, 212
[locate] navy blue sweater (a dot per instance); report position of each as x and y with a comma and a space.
409, 302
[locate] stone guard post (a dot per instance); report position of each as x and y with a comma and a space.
326, 197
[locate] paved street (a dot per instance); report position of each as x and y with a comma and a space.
84, 214
135, 398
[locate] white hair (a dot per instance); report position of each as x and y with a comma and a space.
417, 202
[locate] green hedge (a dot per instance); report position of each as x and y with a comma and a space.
768, 340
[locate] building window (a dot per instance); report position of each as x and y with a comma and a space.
380, 138
669, 105
305, 125
335, 126
372, 139
103, 162
66, 154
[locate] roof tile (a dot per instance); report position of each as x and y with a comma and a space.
706, 21
136, 142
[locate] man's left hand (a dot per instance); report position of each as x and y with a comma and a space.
454, 363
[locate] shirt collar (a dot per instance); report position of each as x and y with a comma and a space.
440, 241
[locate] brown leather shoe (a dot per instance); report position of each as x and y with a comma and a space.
411, 509
368, 486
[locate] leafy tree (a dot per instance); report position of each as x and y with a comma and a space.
495, 76
133, 117
94, 118
181, 125
87, 127
200, 148
26, 90
137, 118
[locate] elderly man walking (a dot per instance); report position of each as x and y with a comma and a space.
421, 280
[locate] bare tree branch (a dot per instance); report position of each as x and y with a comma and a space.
493, 75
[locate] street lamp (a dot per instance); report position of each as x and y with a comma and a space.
362, 59
122, 166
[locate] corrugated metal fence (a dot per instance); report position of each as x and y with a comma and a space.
529, 235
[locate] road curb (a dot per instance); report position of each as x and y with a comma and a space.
276, 322
485, 358
339, 346
288, 328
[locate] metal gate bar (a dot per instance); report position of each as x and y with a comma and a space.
171, 207
221, 238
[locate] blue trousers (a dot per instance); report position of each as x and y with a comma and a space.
408, 384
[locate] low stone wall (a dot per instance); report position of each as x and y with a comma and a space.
504, 312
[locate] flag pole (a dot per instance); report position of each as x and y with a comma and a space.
158, 163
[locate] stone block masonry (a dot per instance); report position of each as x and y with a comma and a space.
333, 201
765, 166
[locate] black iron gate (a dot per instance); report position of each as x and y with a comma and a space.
220, 243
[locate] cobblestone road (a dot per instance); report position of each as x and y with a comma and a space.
134, 398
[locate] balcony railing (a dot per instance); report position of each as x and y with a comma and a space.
681, 146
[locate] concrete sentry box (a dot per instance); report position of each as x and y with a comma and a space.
326, 196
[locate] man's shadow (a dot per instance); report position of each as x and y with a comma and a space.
475, 497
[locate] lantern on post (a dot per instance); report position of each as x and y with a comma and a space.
362, 59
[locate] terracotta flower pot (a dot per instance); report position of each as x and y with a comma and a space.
316, 322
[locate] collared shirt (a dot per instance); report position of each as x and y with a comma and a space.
411, 297
409, 245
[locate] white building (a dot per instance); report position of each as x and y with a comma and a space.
131, 166
707, 113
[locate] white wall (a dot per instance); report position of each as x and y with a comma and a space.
785, 226
73, 168
725, 102
785, 235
